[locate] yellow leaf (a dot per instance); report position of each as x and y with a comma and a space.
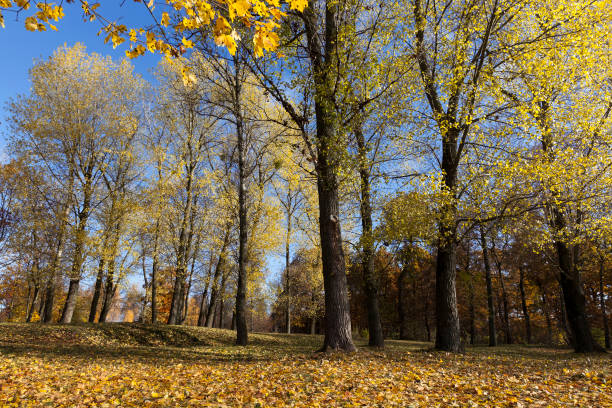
187, 43
31, 24
25, 4
299, 5
151, 43
189, 77
165, 20
239, 8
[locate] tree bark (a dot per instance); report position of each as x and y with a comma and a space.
224, 277
287, 272
546, 312
602, 303
241, 323
97, 291
375, 333
323, 59
489, 282
193, 261
575, 306
401, 310
426, 318
154, 268
569, 274
109, 293
506, 317
32, 304
71, 297
178, 292
447, 316
41, 304
196, 248
524, 305
110, 287
472, 311
57, 256
202, 313
563, 320
78, 257
221, 309
219, 269
447, 319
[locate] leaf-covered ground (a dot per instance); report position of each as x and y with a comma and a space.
158, 366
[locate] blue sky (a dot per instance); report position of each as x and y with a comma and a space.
20, 48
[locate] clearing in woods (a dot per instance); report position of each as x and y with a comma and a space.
132, 365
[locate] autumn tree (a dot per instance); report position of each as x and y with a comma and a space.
77, 107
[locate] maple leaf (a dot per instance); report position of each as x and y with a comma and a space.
299, 5
239, 8
31, 24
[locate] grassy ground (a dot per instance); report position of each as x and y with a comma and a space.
158, 366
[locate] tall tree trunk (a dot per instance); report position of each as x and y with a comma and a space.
219, 270
147, 285
97, 290
178, 292
575, 305
569, 340
196, 248
401, 309
569, 276
472, 310
41, 304
287, 272
109, 293
110, 287
602, 303
241, 323
154, 268
546, 312
376, 338
59, 247
28, 302
32, 304
489, 282
313, 325
79, 248
202, 313
186, 306
99, 285
323, 57
221, 311
221, 302
426, 318
447, 317
506, 314
524, 305
71, 297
